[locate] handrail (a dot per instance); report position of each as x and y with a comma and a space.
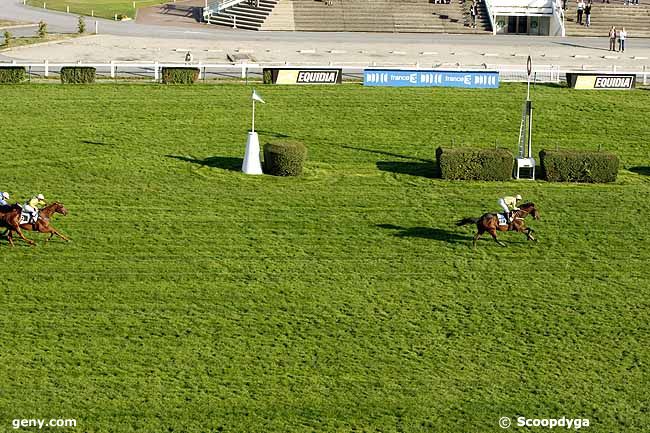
217, 6
558, 14
488, 8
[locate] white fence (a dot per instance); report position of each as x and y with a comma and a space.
245, 71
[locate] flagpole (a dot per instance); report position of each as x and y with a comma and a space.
253, 125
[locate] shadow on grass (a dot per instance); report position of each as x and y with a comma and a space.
427, 233
645, 171
381, 152
267, 134
423, 169
222, 162
98, 143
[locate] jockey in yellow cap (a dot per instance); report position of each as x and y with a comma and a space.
508, 204
32, 207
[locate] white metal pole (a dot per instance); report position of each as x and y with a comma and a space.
253, 125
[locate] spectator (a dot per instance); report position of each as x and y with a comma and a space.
188, 58
588, 13
622, 35
473, 11
580, 10
612, 39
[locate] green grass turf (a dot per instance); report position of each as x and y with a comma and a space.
197, 299
101, 8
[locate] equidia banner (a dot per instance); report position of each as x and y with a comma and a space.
583, 81
302, 76
430, 78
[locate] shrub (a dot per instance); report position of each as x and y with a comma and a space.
578, 166
81, 25
284, 158
8, 38
12, 74
42, 29
475, 164
77, 75
180, 75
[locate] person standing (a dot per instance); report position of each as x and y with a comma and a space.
612, 39
473, 11
580, 10
588, 14
622, 35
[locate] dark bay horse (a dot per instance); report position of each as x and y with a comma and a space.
489, 222
42, 225
10, 219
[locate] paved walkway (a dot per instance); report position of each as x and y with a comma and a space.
133, 41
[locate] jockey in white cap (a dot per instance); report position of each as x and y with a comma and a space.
4, 196
509, 204
32, 206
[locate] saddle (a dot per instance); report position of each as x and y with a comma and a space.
503, 219
26, 218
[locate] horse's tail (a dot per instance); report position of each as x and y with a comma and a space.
466, 221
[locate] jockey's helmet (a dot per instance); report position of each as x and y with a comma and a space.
518, 197
5, 195
40, 197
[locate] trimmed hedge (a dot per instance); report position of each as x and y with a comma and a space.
475, 164
284, 158
12, 74
578, 166
181, 75
78, 75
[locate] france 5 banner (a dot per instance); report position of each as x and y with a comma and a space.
430, 78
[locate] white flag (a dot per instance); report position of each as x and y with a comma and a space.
257, 97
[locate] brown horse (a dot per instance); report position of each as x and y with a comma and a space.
489, 222
42, 225
10, 219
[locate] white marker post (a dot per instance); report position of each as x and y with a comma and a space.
252, 163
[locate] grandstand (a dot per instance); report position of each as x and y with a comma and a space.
635, 19
404, 16
527, 17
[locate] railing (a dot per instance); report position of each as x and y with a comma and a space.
488, 8
351, 71
558, 15
216, 7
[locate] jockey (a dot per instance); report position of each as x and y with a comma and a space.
4, 196
32, 206
509, 204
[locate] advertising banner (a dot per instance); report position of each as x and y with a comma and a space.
586, 81
302, 75
430, 78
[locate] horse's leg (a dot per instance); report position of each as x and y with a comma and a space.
22, 236
493, 233
10, 238
52, 231
60, 235
477, 236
